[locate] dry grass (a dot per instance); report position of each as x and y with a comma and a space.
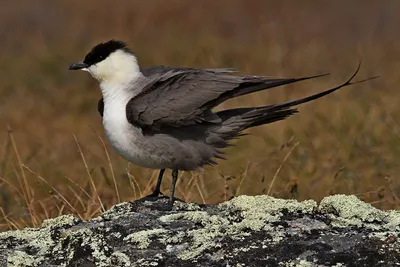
54, 160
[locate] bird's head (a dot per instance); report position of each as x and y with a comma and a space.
110, 63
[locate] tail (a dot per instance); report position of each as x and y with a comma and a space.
234, 121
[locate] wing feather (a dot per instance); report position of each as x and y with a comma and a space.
178, 97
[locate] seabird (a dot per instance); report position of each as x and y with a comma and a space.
162, 117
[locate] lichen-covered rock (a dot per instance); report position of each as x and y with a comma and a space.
245, 231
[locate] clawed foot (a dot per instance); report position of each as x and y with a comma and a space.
162, 205
153, 196
156, 193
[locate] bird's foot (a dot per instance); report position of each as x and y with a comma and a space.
161, 203
153, 196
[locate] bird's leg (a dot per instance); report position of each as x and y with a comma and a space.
174, 179
157, 190
156, 193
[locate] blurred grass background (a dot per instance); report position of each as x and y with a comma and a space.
348, 142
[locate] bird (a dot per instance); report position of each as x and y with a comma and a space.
163, 117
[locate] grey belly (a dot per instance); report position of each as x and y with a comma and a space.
158, 151
162, 152
172, 153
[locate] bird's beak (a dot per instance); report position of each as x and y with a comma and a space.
78, 66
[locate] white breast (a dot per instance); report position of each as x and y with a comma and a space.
118, 130
125, 138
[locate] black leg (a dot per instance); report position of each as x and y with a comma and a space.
157, 190
156, 193
174, 179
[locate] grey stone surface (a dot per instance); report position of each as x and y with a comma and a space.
245, 231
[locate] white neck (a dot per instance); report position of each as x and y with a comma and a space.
117, 73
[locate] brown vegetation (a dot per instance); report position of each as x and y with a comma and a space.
53, 157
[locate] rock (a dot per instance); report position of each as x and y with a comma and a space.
245, 231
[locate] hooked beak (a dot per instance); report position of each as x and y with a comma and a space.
78, 66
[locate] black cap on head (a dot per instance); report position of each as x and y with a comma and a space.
103, 50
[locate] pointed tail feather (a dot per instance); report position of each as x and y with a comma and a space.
292, 103
239, 119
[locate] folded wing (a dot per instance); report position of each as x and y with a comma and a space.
181, 97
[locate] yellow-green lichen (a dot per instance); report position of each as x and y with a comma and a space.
38, 238
142, 238
350, 211
22, 259
117, 211
257, 213
201, 217
60, 221
86, 237
393, 220
213, 226
120, 259
146, 262
202, 238
186, 206
264, 203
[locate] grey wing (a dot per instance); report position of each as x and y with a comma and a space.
157, 71
160, 70
186, 96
